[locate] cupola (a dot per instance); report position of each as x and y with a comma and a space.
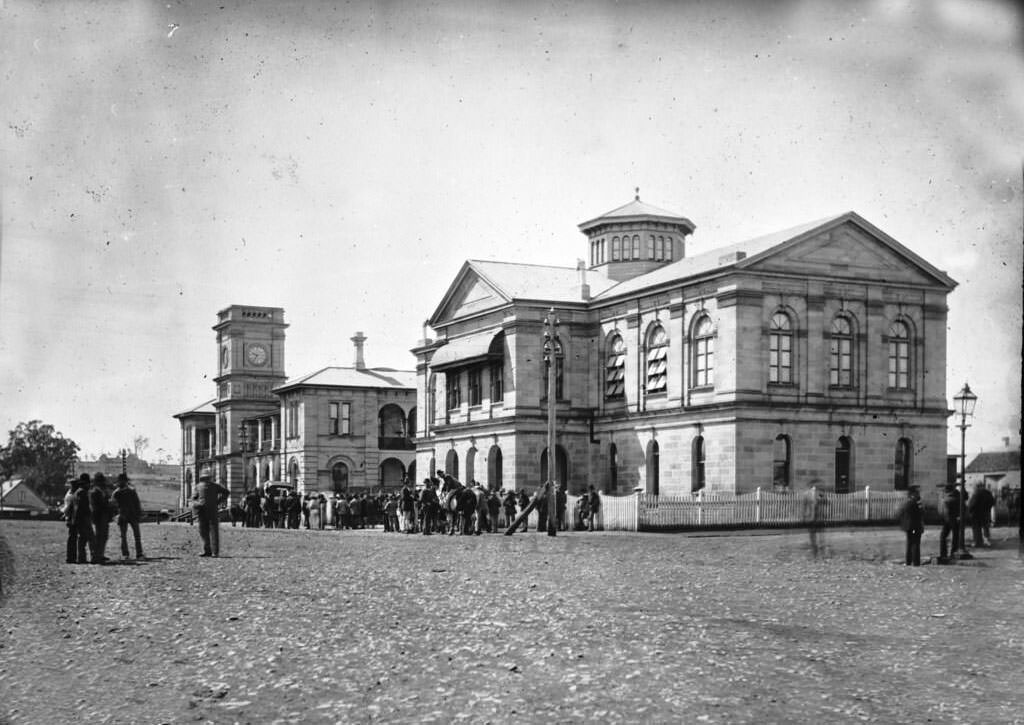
635, 239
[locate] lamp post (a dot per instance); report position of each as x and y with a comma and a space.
552, 352
964, 402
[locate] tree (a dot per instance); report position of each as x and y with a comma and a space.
140, 443
41, 456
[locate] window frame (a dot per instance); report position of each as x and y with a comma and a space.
839, 339
703, 357
475, 386
615, 360
898, 350
656, 360
780, 348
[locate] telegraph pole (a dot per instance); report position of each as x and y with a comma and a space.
552, 351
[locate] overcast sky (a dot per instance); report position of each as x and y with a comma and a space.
161, 161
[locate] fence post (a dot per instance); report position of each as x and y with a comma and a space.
700, 507
757, 506
867, 503
636, 511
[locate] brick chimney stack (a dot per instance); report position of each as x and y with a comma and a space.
584, 287
358, 341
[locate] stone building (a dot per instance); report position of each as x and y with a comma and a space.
811, 356
336, 429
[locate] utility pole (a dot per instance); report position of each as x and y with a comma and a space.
552, 352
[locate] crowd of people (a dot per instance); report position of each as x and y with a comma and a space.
953, 507
413, 509
88, 509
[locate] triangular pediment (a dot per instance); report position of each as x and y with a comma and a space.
469, 294
848, 249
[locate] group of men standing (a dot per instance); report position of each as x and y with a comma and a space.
953, 506
89, 507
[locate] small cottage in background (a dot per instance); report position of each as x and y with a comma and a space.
17, 496
998, 470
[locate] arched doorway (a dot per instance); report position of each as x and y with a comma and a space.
494, 472
391, 422
410, 472
844, 455
653, 465
392, 471
561, 467
339, 478
451, 463
901, 466
781, 463
470, 467
293, 473
266, 474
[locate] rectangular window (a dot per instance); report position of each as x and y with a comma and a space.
346, 419
189, 432
332, 418
636, 246
650, 247
615, 249
454, 394
474, 386
497, 382
703, 363
780, 368
899, 364
840, 373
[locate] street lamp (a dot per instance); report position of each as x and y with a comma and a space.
964, 402
552, 352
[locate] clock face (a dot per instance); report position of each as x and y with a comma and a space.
257, 355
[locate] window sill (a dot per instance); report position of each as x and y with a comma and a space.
702, 388
657, 395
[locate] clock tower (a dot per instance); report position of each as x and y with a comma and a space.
250, 364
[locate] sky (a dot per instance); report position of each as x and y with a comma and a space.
162, 160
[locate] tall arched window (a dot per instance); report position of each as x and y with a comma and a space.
653, 468
659, 249
615, 249
471, 466
703, 353
780, 349
636, 246
650, 247
613, 467
615, 368
339, 478
840, 353
494, 469
781, 462
561, 466
669, 254
901, 467
697, 462
451, 463
899, 355
844, 468
293, 473
657, 360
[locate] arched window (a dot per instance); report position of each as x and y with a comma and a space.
780, 349
293, 473
657, 360
494, 469
703, 353
432, 399
697, 462
339, 478
451, 463
840, 353
899, 355
636, 246
470, 467
266, 473
901, 467
615, 249
659, 248
391, 422
496, 366
650, 247
613, 467
844, 468
669, 253
781, 462
559, 373
615, 368
392, 473
653, 466
561, 466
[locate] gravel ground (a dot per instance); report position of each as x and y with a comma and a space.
311, 626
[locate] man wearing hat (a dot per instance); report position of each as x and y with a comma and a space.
99, 505
129, 513
911, 518
82, 520
205, 502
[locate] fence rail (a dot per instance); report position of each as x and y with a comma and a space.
646, 512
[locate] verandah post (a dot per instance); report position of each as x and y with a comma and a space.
757, 506
700, 507
867, 503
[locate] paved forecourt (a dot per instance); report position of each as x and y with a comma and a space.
356, 626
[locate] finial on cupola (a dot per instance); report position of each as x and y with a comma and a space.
637, 197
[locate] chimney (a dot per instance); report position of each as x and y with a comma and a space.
358, 341
584, 287
1006, 442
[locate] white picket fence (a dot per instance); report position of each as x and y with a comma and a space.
645, 512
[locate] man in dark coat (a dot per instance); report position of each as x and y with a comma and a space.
129, 513
99, 505
911, 518
429, 504
205, 502
82, 517
950, 521
980, 506
408, 506
593, 507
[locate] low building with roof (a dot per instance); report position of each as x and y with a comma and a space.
338, 429
999, 470
811, 356
18, 497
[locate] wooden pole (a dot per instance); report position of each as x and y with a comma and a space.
551, 346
